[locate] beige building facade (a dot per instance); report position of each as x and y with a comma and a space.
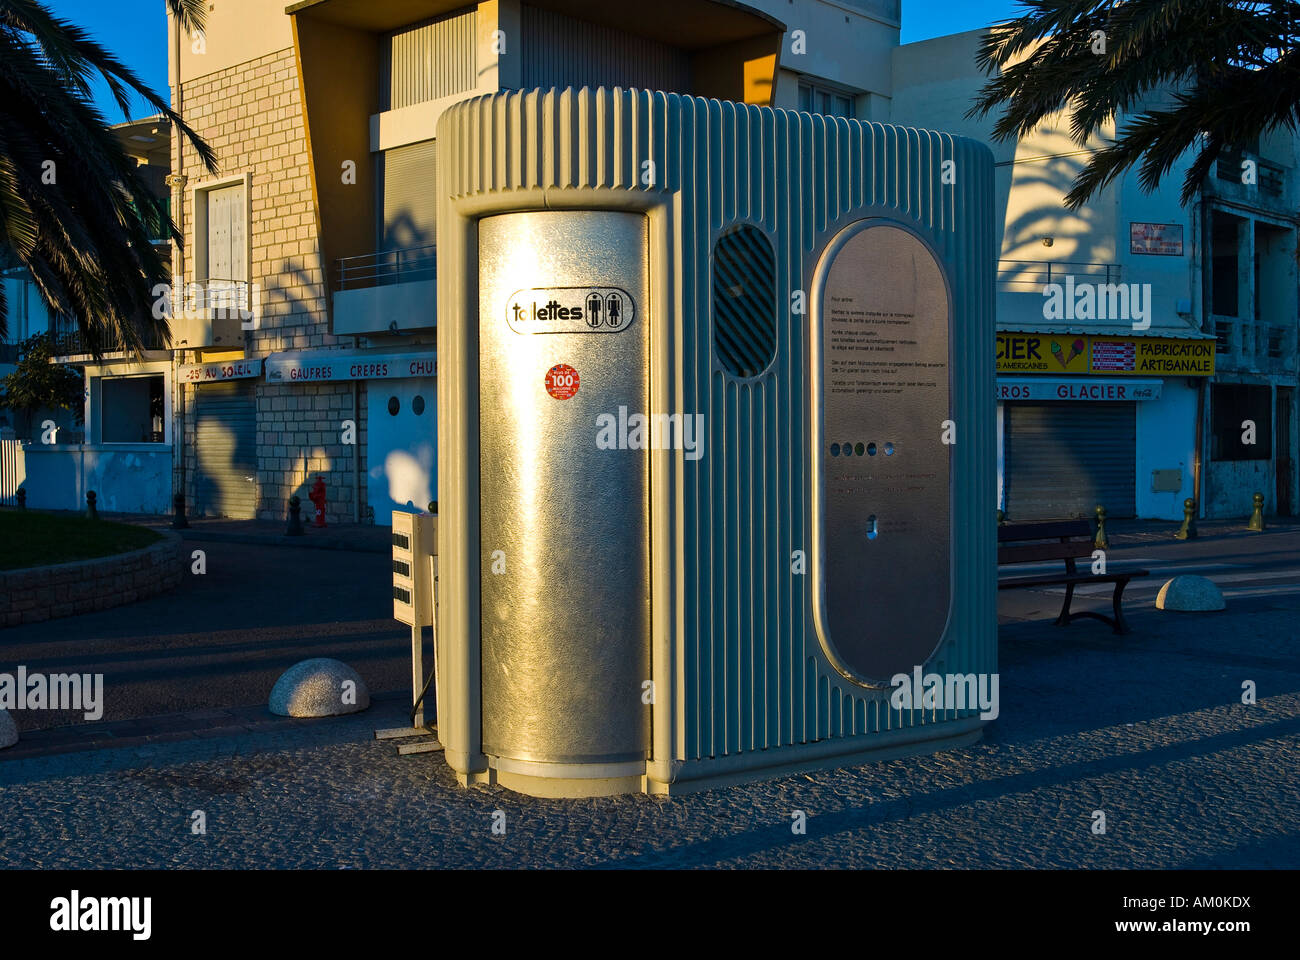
304, 335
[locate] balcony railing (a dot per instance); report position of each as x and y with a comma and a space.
1270, 177
390, 266
1223, 336
1036, 274
68, 341
212, 293
1252, 346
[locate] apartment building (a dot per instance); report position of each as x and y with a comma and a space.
308, 344
1248, 224
118, 442
1135, 336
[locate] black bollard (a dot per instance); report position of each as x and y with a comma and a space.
178, 513
1100, 541
21, 497
295, 522
1256, 523
92, 512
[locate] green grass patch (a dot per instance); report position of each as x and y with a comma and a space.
31, 539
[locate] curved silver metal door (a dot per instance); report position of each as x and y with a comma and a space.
564, 527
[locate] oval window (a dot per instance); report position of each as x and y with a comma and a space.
394, 405
417, 405
744, 302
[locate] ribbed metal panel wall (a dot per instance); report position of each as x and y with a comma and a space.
755, 676
428, 60
559, 51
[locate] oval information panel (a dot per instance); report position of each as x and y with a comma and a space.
882, 561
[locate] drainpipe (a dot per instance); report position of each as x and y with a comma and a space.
177, 182
1202, 250
356, 447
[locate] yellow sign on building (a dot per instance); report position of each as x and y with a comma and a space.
1041, 353
1105, 356
1151, 356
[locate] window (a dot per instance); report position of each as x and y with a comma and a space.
815, 98
226, 237
408, 194
1224, 267
131, 410
221, 251
1231, 405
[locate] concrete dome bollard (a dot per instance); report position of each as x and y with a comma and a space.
8, 730
320, 687
1190, 593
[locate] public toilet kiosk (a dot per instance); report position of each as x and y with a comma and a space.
716, 441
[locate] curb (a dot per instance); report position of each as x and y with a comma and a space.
280, 540
36, 594
197, 724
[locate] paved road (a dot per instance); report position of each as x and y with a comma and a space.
1149, 729
222, 639
1242, 564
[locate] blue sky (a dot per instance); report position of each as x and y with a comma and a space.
136, 31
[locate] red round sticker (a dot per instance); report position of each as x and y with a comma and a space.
561, 381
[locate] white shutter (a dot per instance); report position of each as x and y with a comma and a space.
226, 233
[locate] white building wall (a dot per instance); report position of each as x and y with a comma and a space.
845, 42
1166, 440
934, 84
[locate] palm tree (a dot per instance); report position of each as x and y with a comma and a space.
72, 209
1229, 68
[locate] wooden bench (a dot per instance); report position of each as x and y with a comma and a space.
1060, 540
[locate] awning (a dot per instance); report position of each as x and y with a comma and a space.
1171, 331
220, 370
313, 366
1077, 388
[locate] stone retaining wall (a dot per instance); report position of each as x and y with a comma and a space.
65, 589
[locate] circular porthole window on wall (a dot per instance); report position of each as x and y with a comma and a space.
744, 301
393, 406
417, 405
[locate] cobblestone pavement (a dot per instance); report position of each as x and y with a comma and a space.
1149, 729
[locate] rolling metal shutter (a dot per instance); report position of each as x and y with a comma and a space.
560, 51
430, 60
408, 196
1063, 459
225, 446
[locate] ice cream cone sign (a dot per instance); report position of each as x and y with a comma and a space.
1062, 357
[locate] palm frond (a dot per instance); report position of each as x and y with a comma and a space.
73, 209
1227, 69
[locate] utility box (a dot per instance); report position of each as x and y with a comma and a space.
414, 544
716, 441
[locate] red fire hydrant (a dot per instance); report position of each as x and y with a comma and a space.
317, 496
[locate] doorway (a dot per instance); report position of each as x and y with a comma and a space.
402, 446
